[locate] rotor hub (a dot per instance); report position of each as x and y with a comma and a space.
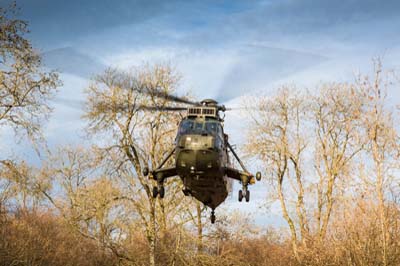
209, 102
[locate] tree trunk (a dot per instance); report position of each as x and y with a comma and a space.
199, 228
329, 207
381, 202
152, 238
288, 219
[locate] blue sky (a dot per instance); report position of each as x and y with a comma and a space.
224, 49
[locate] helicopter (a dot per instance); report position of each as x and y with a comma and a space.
201, 151
201, 154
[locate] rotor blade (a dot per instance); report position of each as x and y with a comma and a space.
79, 104
125, 107
170, 97
240, 108
162, 108
235, 108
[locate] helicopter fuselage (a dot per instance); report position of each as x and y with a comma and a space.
201, 160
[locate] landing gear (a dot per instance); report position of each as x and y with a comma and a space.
159, 175
245, 193
212, 217
159, 189
158, 192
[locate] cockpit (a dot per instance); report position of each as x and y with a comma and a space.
191, 126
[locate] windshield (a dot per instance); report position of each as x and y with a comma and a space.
198, 127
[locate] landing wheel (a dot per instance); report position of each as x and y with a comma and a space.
258, 176
248, 196
240, 195
145, 171
161, 192
186, 191
155, 192
212, 217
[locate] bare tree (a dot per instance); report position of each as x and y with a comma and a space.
337, 112
383, 146
276, 135
24, 93
138, 139
75, 183
24, 87
282, 128
18, 185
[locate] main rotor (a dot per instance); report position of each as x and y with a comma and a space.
204, 108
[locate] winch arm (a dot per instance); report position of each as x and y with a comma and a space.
166, 158
237, 157
160, 174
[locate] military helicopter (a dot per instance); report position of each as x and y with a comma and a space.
202, 156
201, 153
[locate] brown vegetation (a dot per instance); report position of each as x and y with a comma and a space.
34, 238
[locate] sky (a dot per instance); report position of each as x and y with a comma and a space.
223, 49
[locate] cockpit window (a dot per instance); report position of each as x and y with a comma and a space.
211, 128
186, 127
199, 127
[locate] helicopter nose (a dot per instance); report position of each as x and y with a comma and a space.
197, 161
196, 142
